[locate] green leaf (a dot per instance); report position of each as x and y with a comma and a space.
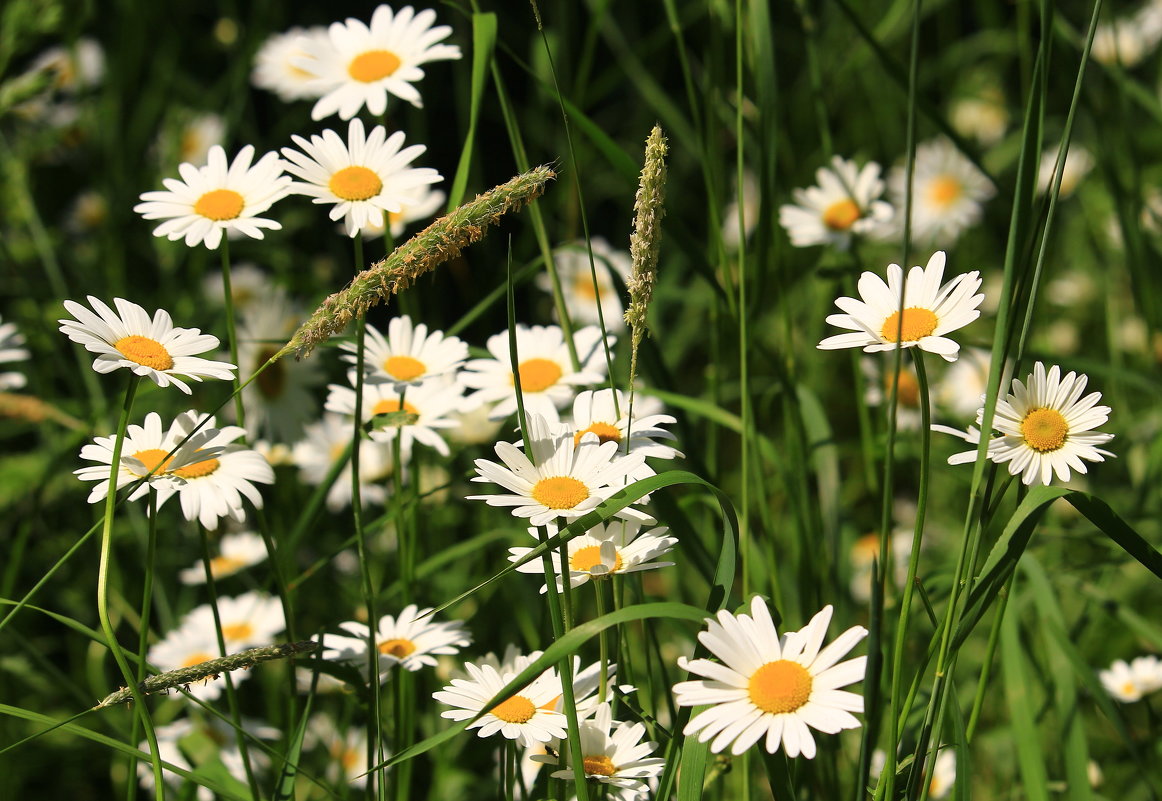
1022, 709
483, 42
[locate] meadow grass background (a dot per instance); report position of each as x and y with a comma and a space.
781, 439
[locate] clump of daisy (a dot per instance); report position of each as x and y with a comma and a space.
363, 179
616, 547
152, 348
616, 758
948, 191
412, 641
426, 411
1045, 426
563, 478
930, 310
276, 64
845, 203
547, 377
324, 444
218, 198
1131, 682
359, 65
528, 716
581, 299
409, 355
236, 551
771, 687
11, 350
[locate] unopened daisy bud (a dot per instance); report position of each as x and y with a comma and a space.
646, 240
436, 244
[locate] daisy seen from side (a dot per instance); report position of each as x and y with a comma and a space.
547, 377
948, 193
607, 413
771, 687
150, 347
845, 203
249, 620
217, 198
363, 178
527, 716
359, 65
276, 64
430, 403
412, 640
615, 547
409, 354
930, 310
236, 551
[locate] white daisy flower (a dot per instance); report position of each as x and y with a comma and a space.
361, 65
547, 378
961, 389
605, 549
617, 758
1078, 163
562, 480
169, 750
146, 447
930, 311
212, 738
280, 402
572, 263
948, 191
426, 203
325, 443
527, 716
772, 686
192, 139
1130, 682
431, 402
213, 488
596, 412
1046, 427
249, 285
877, 375
411, 641
217, 198
409, 355
943, 774
844, 204
983, 117
866, 550
1126, 41
186, 646
236, 551
751, 199
347, 749
74, 68
276, 64
11, 350
153, 348
250, 620
364, 179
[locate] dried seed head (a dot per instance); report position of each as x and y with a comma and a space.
646, 240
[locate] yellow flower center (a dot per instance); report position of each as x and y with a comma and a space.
237, 631
841, 215
224, 565
1044, 430
600, 765
196, 659
944, 190
349, 759
907, 388
144, 351
373, 65
1129, 689
604, 431
399, 648
151, 458
355, 183
271, 381
198, 469
220, 204
560, 492
780, 686
918, 323
585, 559
517, 709
583, 288
537, 375
389, 406
403, 368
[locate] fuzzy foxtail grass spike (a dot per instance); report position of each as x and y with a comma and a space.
646, 240
174, 679
436, 244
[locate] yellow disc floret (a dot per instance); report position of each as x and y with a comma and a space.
587, 558
537, 375
1044, 430
403, 368
220, 204
604, 431
373, 65
918, 323
517, 709
399, 647
560, 492
780, 687
944, 190
841, 215
599, 765
355, 183
145, 351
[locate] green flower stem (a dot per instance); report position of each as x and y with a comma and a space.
143, 630
127, 673
231, 336
602, 639
986, 666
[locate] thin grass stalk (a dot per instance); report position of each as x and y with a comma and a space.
141, 710
143, 626
602, 640
987, 664
743, 327
231, 334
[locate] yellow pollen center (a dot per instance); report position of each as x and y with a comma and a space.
560, 492
389, 406
237, 631
1044, 430
196, 659
349, 759
404, 368
945, 190
585, 559
604, 431
198, 469
841, 215
399, 648
780, 687
219, 204
222, 565
151, 458
517, 709
271, 381
907, 388
583, 288
1129, 688
355, 183
918, 323
600, 765
537, 375
373, 65
144, 351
